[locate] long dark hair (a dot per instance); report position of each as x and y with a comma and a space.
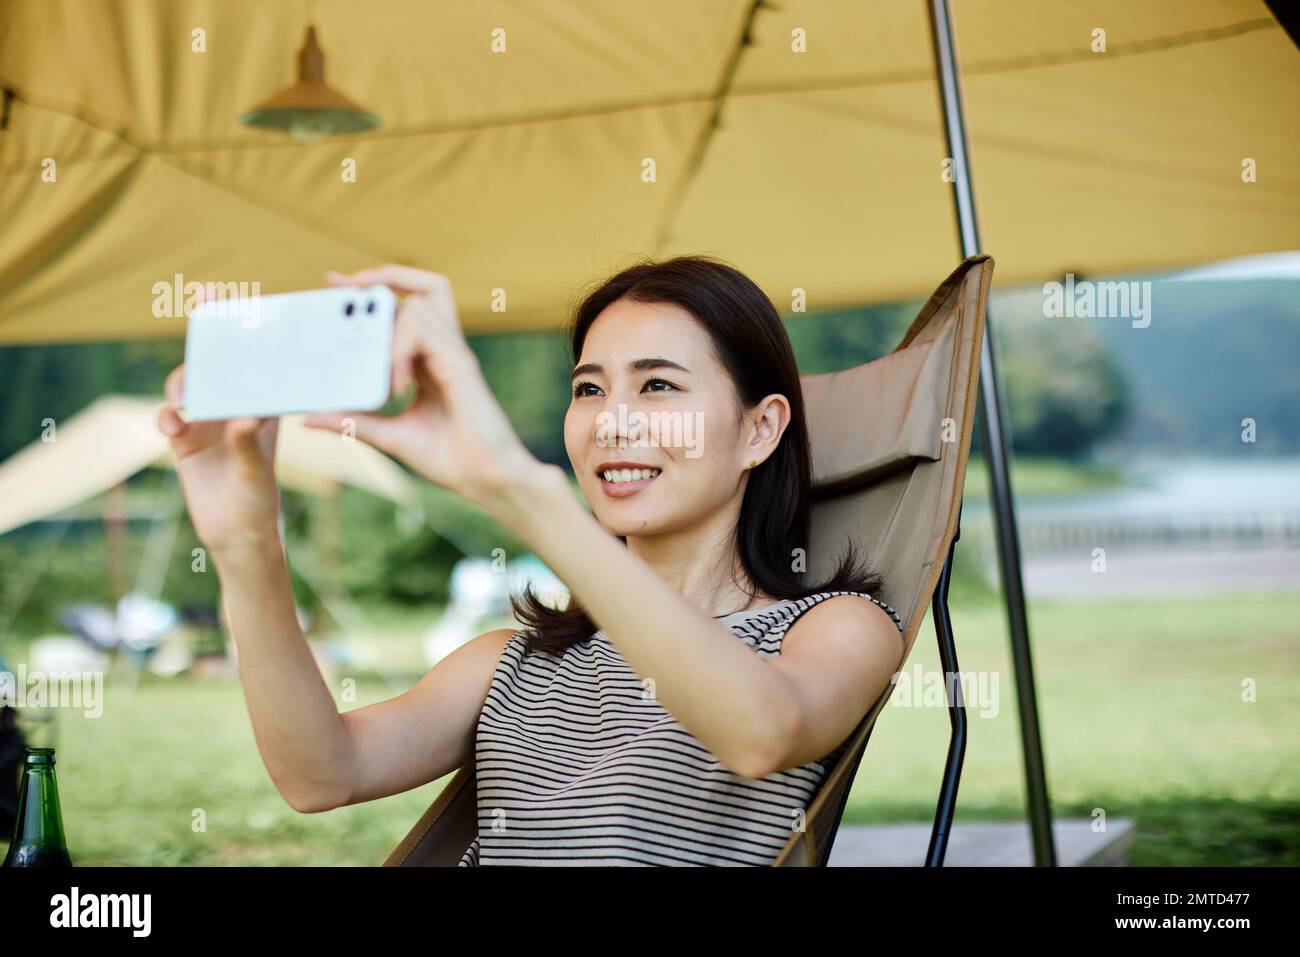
751, 342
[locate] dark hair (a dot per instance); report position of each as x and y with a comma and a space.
750, 341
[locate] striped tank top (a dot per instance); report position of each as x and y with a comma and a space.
576, 766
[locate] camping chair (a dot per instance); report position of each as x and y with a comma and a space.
890, 439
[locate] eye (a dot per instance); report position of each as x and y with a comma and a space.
580, 389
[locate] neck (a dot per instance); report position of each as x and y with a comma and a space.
702, 563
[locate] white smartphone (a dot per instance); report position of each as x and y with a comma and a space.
321, 350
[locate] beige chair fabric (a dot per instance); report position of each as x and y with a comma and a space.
890, 441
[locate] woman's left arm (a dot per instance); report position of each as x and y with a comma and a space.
756, 716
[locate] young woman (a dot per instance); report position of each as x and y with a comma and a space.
687, 703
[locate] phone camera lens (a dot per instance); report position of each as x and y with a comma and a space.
347, 310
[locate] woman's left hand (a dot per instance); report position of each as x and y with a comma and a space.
454, 433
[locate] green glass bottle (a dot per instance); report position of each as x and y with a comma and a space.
38, 832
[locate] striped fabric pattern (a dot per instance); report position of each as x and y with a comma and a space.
577, 765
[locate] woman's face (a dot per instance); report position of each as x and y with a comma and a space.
654, 430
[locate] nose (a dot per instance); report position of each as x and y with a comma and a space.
620, 421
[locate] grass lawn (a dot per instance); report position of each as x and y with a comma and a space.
1141, 712
1140, 703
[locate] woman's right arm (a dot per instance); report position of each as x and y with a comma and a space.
317, 758
295, 722
426, 732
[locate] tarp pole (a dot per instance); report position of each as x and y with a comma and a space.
996, 444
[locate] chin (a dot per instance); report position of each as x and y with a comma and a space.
625, 525
628, 520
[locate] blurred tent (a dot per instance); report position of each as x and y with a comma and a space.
522, 170
117, 436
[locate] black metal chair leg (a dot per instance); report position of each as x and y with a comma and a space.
956, 714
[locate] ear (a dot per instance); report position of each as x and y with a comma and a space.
768, 419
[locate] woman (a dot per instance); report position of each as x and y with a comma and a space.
674, 712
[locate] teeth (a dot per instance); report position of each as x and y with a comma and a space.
628, 475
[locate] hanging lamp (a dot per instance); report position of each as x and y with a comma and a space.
309, 111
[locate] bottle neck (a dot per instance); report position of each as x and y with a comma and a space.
40, 822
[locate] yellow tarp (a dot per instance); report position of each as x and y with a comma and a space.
522, 170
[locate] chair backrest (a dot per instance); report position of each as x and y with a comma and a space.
890, 439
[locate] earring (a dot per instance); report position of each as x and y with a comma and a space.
753, 463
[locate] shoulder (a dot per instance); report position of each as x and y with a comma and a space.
495, 640
470, 666
860, 603
489, 645
486, 649
848, 614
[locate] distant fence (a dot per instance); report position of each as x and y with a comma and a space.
1045, 538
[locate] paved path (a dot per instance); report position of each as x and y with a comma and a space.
994, 844
1148, 574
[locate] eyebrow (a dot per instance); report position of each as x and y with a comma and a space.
636, 365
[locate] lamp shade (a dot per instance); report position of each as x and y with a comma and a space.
310, 110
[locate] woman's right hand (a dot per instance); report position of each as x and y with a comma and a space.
227, 473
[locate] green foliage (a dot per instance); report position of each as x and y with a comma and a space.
1064, 390
1215, 353
1071, 384
58, 381
45, 571
529, 374
383, 562
1187, 830
832, 341
44, 574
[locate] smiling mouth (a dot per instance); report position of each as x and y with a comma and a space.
618, 483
